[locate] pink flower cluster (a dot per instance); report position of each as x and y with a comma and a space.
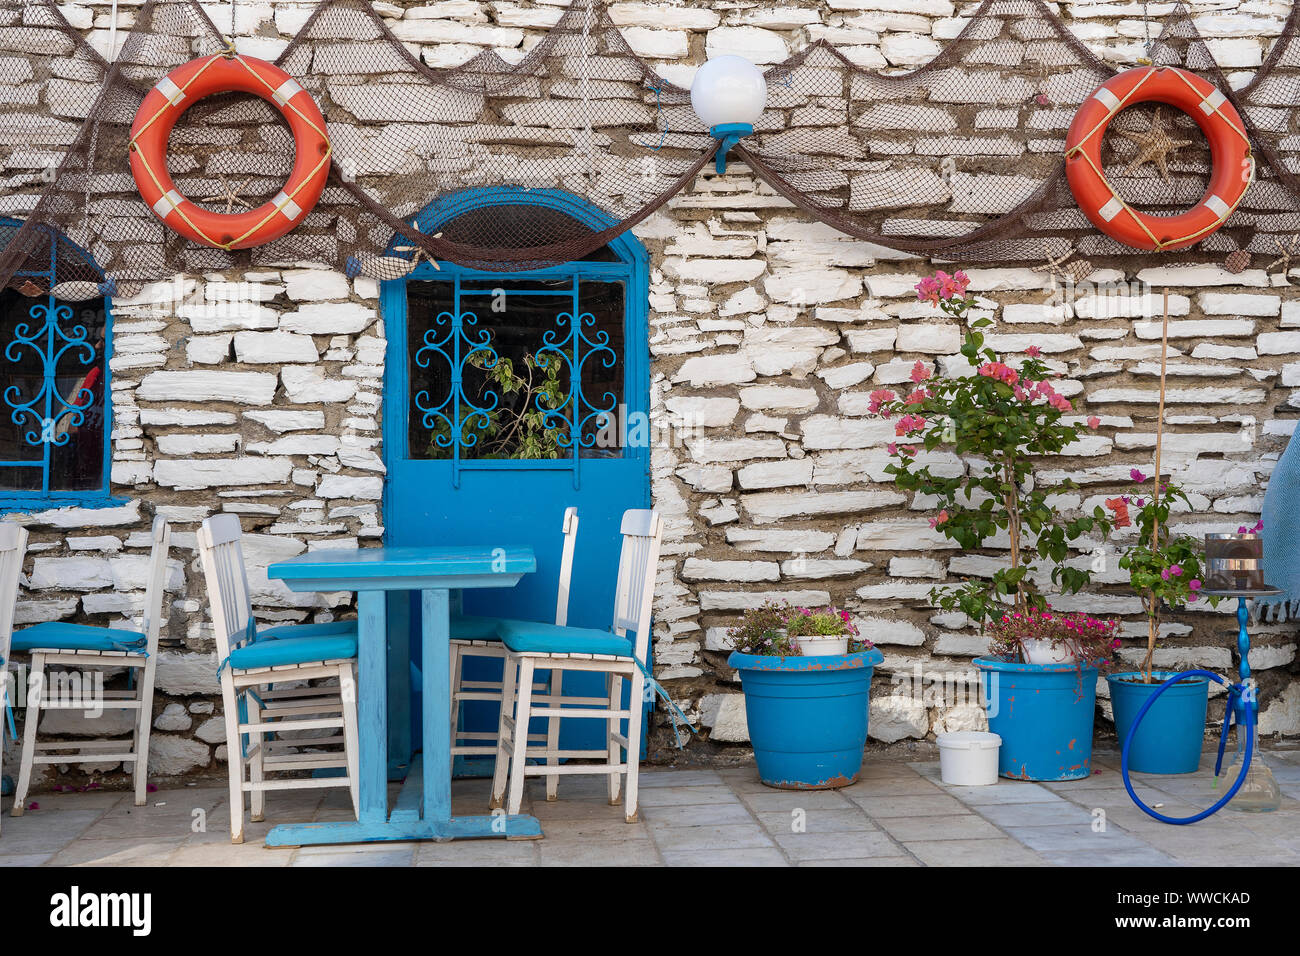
825, 621
1091, 638
1001, 371
1258, 527
942, 286
1027, 391
878, 398
909, 424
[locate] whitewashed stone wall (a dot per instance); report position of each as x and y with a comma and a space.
766, 328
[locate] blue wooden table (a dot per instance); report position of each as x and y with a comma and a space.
434, 572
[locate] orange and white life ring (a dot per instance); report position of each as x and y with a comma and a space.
1233, 166
225, 73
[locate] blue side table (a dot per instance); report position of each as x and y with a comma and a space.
435, 572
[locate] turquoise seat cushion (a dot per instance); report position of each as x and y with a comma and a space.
294, 650
57, 635
470, 627
527, 637
328, 629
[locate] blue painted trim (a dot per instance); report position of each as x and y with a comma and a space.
728, 135
15, 502
11, 501
451, 205
633, 269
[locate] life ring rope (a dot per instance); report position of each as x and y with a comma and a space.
1212, 105
1112, 109
173, 94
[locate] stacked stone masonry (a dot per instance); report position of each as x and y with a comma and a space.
260, 393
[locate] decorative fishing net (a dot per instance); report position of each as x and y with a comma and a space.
959, 159
964, 157
581, 114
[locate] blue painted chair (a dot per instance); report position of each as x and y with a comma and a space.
474, 636
13, 546
619, 652
59, 645
270, 729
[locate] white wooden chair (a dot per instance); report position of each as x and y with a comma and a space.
620, 653
55, 645
270, 729
13, 545
476, 636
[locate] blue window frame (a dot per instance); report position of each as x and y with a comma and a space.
564, 327
54, 382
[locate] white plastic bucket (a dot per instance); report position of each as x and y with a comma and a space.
969, 758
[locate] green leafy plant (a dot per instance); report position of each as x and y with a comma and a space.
1164, 568
820, 622
1000, 421
762, 631
517, 427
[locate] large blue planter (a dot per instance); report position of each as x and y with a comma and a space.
807, 716
1171, 734
1044, 715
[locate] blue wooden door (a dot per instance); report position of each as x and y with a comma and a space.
509, 397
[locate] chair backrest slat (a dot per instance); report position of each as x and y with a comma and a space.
156, 587
223, 569
637, 568
566, 566
13, 547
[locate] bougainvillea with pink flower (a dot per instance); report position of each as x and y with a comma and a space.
995, 426
1093, 641
1164, 567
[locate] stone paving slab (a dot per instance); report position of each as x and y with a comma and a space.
899, 813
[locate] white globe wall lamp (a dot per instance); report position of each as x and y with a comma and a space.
728, 94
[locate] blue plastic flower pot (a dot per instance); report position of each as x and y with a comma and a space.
1044, 715
1170, 736
807, 716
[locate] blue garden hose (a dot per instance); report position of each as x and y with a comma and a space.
1235, 692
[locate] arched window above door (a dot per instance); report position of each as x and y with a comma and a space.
54, 379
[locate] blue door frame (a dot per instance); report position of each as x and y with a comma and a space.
463, 500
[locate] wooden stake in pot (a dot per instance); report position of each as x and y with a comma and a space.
1153, 608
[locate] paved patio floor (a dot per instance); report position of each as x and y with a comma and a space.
898, 814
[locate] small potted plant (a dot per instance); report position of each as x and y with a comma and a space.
1044, 636
806, 711
1003, 421
1165, 569
1041, 680
822, 631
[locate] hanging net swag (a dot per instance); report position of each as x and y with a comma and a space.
961, 158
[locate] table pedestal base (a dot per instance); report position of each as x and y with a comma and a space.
518, 827
405, 823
